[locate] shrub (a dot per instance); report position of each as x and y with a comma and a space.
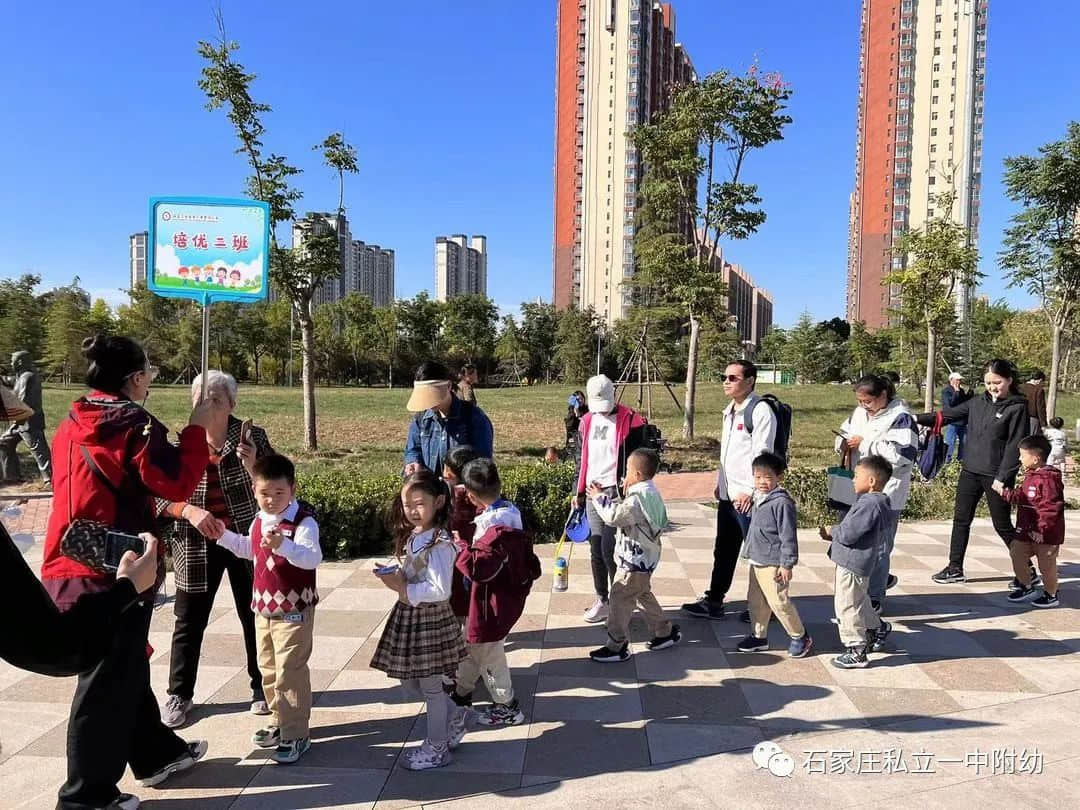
352, 508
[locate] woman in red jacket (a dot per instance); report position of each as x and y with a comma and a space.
110, 458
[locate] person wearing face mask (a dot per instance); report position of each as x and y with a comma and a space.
111, 457
882, 425
997, 421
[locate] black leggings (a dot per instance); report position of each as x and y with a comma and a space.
969, 491
601, 548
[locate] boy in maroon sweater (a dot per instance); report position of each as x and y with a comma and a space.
1040, 522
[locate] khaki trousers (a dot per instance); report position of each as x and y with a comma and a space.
766, 596
629, 590
851, 601
284, 650
1021, 552
486, 660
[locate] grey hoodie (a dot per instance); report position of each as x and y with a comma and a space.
772, 538
858, 539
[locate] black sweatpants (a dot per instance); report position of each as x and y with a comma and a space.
115, 721
601, 548
969, 491
192, 611
731, 526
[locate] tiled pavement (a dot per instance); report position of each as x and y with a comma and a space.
966, 673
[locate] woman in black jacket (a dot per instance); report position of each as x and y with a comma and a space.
996, 422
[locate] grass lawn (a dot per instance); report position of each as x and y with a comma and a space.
364, 428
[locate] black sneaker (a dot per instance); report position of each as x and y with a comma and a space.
663, 642
1021, 594
752, 644
704, 608
854, 658
464, 701
194, 752
1046, 600
877, 637
605, 655
948, 574
890, 583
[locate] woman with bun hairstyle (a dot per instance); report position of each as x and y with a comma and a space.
996, 423
111, 458
882, 425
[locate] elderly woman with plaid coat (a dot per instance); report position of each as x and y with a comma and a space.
222, 500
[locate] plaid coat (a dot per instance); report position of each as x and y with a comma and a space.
187, 545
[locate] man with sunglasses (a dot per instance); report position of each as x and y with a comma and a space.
749, 430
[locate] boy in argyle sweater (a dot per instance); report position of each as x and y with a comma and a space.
283, 543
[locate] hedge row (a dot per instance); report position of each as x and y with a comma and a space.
352, 509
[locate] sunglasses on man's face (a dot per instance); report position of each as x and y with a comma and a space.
731, 378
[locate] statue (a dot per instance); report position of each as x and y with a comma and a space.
27, 387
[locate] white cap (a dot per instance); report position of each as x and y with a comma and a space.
956, 375
600, 392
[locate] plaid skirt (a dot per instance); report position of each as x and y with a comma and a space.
420, 641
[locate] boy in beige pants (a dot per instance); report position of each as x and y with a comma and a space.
772, 545
283, 543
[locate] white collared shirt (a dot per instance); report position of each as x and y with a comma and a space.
302, 549
739, 447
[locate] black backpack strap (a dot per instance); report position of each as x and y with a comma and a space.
96, 470
748, 413
467, 410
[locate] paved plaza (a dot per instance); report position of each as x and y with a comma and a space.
973, 691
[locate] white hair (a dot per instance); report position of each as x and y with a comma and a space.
217, 382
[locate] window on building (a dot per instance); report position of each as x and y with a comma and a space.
933, 132
937, 82
933, 147
937, 51
931, 180
937, 18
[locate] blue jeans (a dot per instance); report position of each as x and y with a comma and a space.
880, 575
954, 440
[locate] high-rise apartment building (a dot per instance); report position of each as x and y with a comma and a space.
751, 306
137, 257
617, 63
366, 269
460, 266
922, 77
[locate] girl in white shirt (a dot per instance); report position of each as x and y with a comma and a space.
422, 640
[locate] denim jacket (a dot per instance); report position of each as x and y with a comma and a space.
431, 438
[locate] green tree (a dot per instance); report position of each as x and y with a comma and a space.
575, 344
867, 351
1041, 253
539, 322
511, 350
22, 317
801, 349
252, 331
469, 328
65, 329
358, 332
773, 346
341, 157
387, 342
1027, 340
939, 259
988, 320
420, 326
708, 134
100, 320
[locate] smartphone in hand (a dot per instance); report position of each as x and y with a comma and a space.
245, 431
389, 568
117, 544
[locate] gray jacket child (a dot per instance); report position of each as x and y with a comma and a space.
772, 538
860, 536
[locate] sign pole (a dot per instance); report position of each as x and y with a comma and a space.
205, 353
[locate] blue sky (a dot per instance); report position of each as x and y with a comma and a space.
450, 106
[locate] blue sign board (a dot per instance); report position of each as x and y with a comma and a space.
209, 248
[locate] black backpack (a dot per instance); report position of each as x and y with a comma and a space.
782, 415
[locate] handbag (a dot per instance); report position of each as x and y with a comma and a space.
932, 451
841, 484
84, 542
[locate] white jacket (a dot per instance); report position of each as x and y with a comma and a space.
739, 448
891, 434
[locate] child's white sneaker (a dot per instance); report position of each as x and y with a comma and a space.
427, 756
